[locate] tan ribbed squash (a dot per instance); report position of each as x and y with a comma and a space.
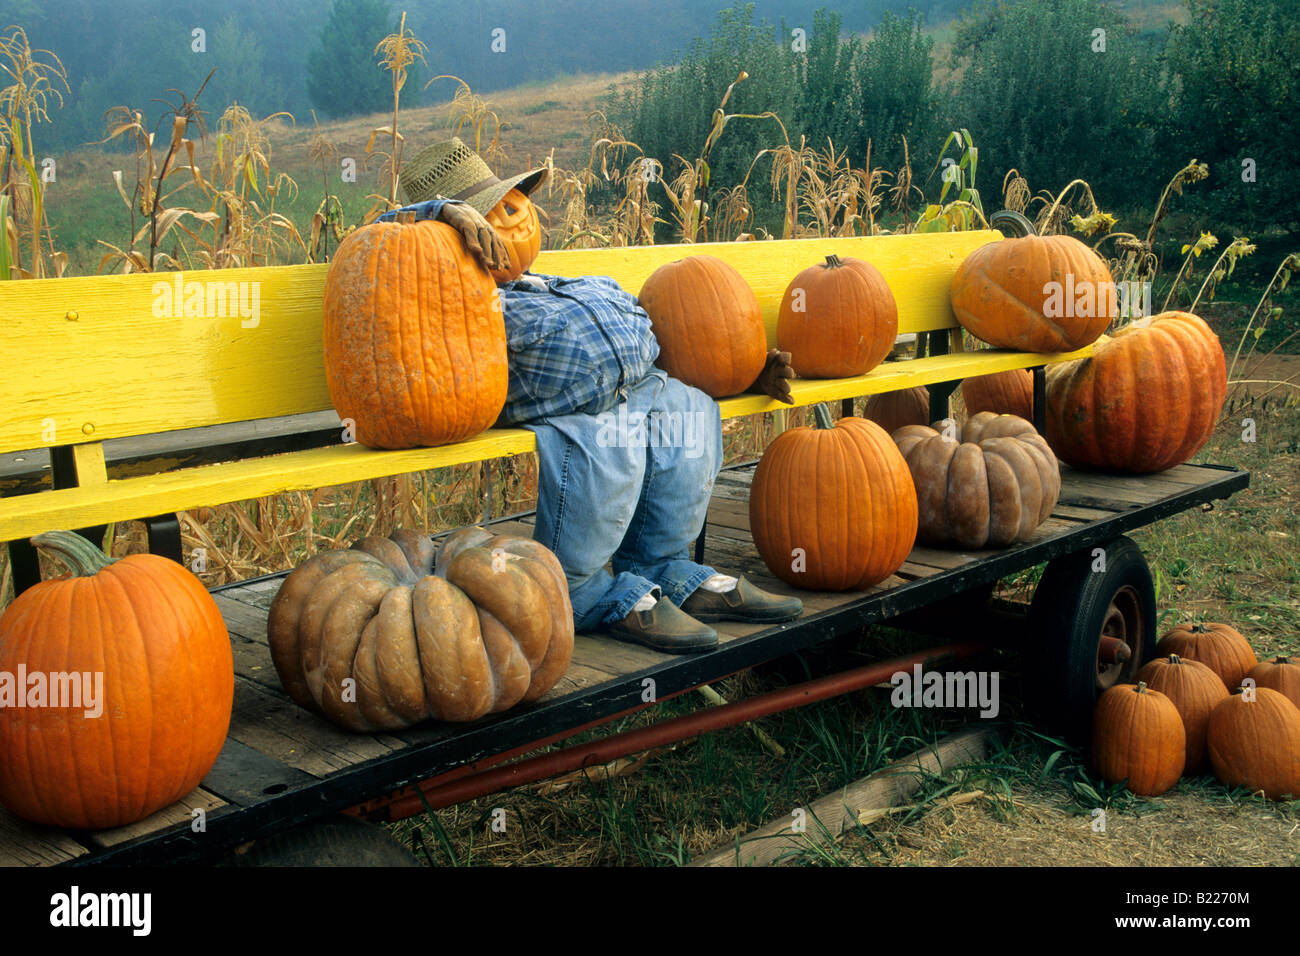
1146, 400
1256, 743
1195, 690
1005, 393
415, 352
1138, 736
379, 638
708, 324
832, 508
991, 488
905, 406
1034, 294
837, 319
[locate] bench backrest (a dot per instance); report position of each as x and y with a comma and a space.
87, 359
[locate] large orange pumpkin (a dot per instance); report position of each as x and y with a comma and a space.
415, 341
1003, 393
1034, 294
388, 634
1219, 647
1280, 674
1145, 401
837, 319
708, 324
1194, 690
514, 219
1256, 743
154, 636
1138, 736
833, 507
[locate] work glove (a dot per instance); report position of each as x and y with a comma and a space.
774, 380
481, 240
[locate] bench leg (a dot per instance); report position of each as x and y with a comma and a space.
164, 533
699, 542
1040, 399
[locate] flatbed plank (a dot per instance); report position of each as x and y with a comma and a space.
182, 811
275, 726
28, 844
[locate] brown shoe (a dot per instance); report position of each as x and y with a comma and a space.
745, 603
667, 628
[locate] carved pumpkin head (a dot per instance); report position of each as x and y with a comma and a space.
515, 220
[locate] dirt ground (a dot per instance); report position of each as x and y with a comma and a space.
1180, 829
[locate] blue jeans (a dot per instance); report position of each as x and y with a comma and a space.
628, 487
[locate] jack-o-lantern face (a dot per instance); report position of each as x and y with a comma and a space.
515, 220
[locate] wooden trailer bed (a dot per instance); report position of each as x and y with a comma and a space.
283, 766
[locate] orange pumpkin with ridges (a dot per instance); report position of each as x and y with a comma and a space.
1146, 400
1194, 690
1138, 736
415, 342
1003, 393
708, 324
1219, 647
1034, 294
514, 219
837, 319
152, 632
1280, 674
905, 406
832, 507
1256, 743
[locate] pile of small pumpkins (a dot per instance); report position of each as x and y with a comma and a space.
1205, 703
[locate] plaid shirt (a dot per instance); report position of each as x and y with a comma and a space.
576, 345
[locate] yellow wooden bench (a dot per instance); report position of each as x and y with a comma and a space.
86, 360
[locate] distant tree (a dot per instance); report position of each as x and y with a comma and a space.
1239, 110
343, 73
1061, 89
895, 93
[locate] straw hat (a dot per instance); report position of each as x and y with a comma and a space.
451, 169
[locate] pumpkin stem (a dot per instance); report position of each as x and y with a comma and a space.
823, 416
833, 262
406, 217
1175, 659
82, 557
1282, 659
1141, 687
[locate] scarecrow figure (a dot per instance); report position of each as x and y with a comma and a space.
583, 380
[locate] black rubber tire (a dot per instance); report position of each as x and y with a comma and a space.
1071, 607
338, 841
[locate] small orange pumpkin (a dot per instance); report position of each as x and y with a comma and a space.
837, 319
708, 324
833, 508
1195, 690
1138, 736
1256, 743
153, 635
1004, 393
514, 219
1280, 674
905, 406
1219, 647
1034, 294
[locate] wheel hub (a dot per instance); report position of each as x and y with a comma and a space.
1119, 644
